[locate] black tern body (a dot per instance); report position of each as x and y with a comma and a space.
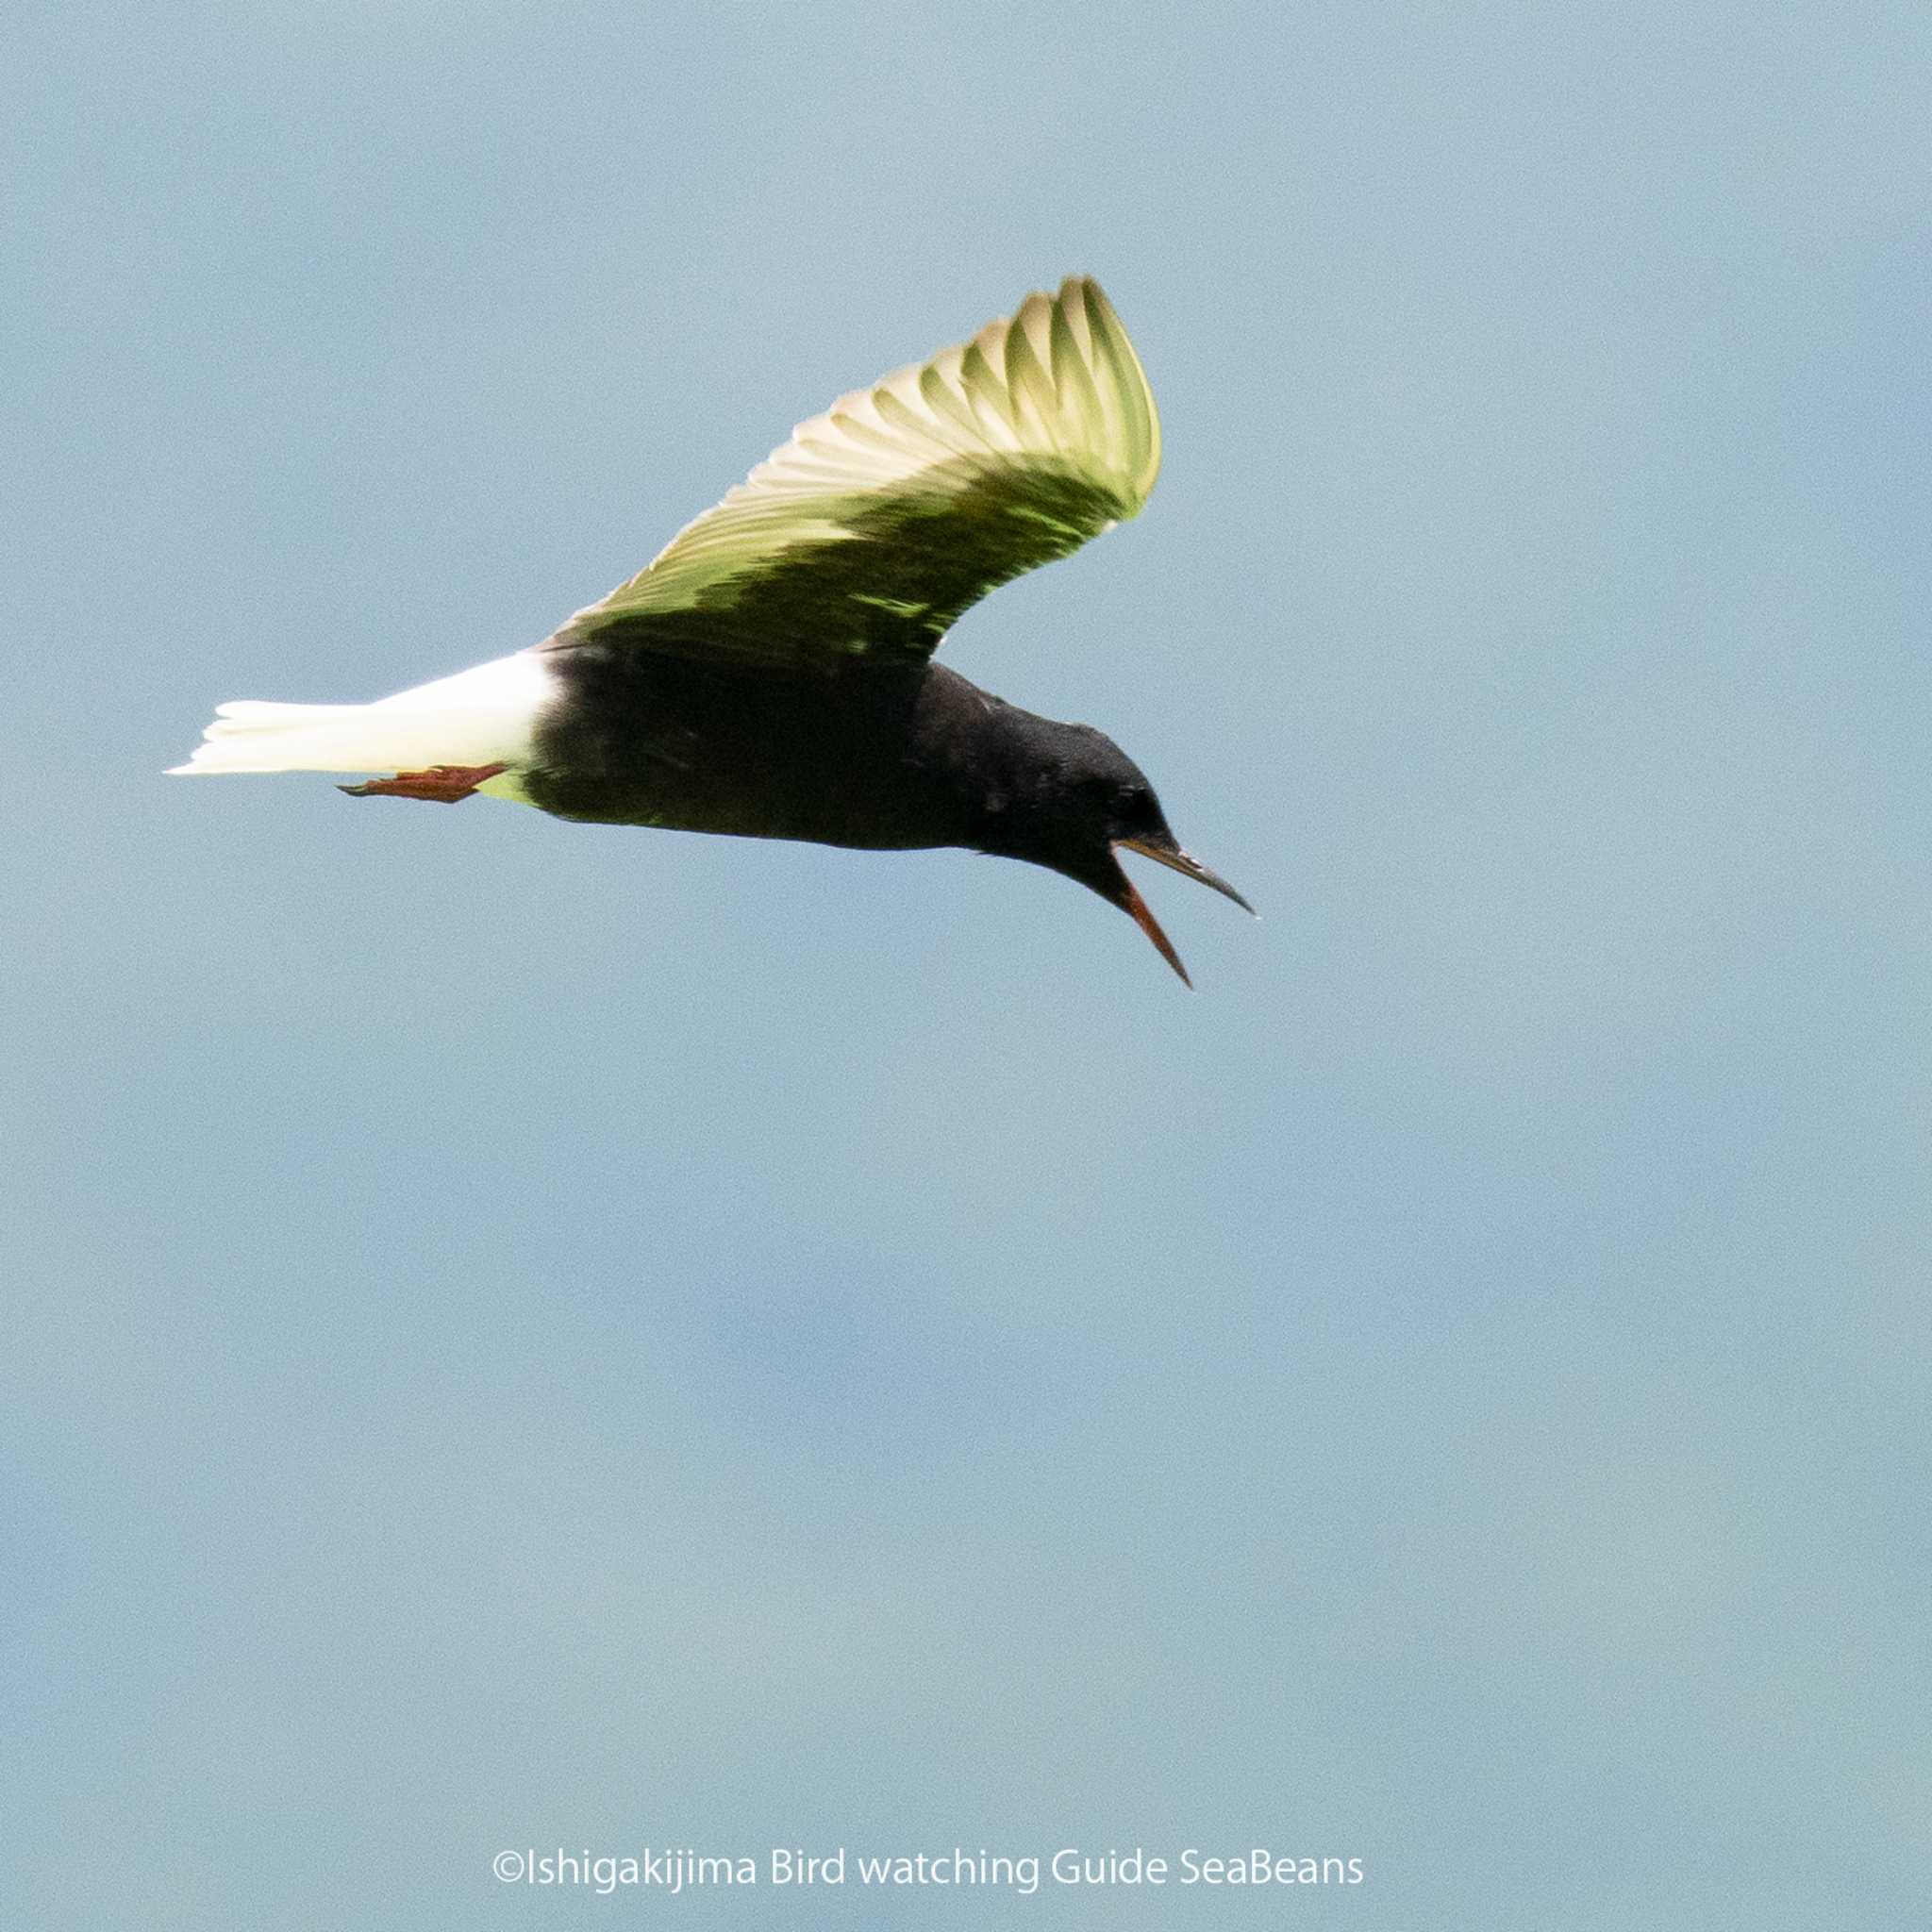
771, 673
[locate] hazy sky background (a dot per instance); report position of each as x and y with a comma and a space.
520, 1335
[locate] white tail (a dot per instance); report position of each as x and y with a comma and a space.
479, 717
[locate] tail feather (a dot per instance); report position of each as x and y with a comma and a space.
252, 736
479, 717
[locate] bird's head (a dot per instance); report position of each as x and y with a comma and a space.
1095, 803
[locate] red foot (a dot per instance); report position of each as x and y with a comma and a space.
442, 784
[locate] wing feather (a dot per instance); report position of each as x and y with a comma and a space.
877, 523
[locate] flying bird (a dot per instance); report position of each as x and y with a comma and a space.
771, 672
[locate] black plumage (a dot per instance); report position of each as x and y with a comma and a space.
769, 675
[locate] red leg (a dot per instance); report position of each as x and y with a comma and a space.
443, 784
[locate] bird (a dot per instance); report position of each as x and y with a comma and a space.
771, 672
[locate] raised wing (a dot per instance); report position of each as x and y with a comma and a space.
878, 522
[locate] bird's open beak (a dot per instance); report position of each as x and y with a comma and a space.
1188, 867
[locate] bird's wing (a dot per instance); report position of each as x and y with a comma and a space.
880, 522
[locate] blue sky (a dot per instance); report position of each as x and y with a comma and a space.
524, 1335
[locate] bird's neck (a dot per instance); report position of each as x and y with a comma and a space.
1000, 763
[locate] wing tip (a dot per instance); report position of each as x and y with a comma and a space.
1113, 347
